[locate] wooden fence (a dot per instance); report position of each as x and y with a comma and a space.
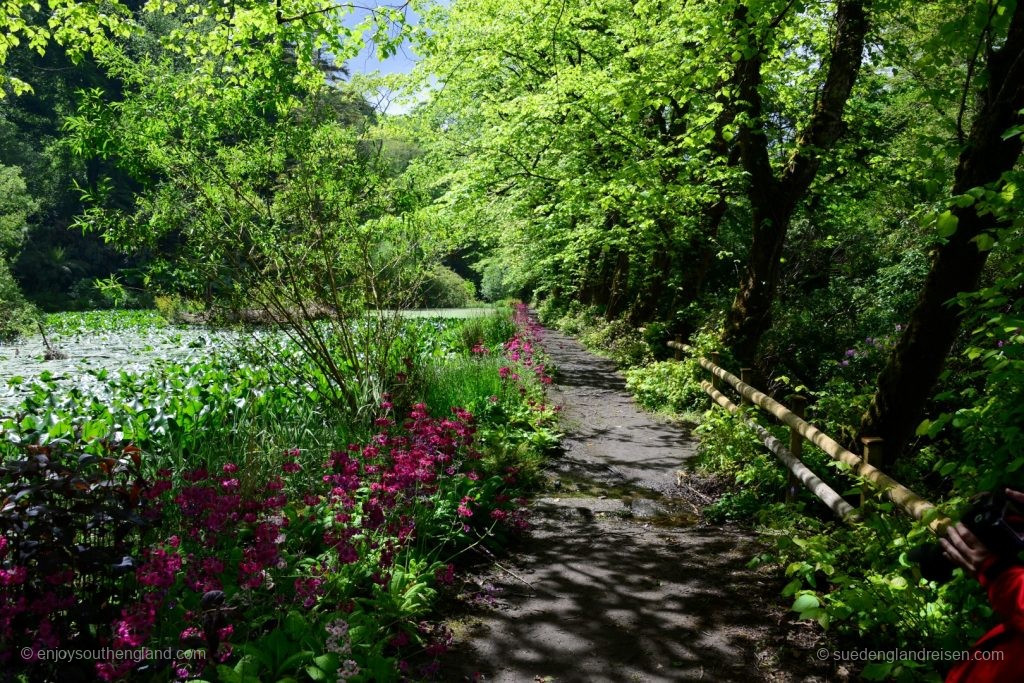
799, 431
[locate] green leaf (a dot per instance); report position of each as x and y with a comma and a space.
295, 625
877, 671
985, 241
946, 224
805, 602
328, 662
316, 673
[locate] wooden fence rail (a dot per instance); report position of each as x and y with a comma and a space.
906, 499
814, 484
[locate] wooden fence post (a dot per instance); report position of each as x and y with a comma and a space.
798, 404
715, 381
679, 351
873, 454
746, 376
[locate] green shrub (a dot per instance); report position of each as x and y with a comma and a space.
668, 386
16, 313
172, 306
549, 310
622, 342
855, 580
444, 288
495, 283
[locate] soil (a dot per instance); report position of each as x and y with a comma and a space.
620, 580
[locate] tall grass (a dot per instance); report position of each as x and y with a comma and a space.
460, 382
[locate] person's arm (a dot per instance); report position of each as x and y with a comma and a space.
1002, 578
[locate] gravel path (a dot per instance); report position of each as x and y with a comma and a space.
616, 582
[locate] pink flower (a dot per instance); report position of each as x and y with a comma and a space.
160, 568
347, 554
191, 633
196, 475
13, 577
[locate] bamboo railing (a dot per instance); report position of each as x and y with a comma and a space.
801, 430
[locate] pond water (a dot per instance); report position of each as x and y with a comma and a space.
88, 355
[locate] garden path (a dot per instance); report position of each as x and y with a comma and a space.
617, 582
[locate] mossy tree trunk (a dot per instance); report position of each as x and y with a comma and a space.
917, 361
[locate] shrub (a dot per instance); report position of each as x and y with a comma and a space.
16, 314
172, 306
668, 386
72, 529
622, 342
495, 283
444, 288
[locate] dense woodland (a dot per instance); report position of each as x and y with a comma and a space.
826, 192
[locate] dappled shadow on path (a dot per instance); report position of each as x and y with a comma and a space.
613, 600
597, 596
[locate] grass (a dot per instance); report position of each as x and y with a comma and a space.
457, 313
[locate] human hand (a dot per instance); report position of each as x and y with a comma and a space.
963, 548
1016, 496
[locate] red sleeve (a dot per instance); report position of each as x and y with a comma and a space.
1005, 592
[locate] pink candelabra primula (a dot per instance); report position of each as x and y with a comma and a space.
238, 543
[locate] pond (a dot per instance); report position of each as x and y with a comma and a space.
102, 343
88, 357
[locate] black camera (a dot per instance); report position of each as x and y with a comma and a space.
997, 521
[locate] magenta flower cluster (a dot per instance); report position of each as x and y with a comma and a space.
238, 535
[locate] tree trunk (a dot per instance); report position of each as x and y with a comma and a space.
652, 289
602, 282
617, 290
916, 362
588, 279
773, 200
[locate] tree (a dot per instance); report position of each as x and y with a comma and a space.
774, 197
966, 230
15, 207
